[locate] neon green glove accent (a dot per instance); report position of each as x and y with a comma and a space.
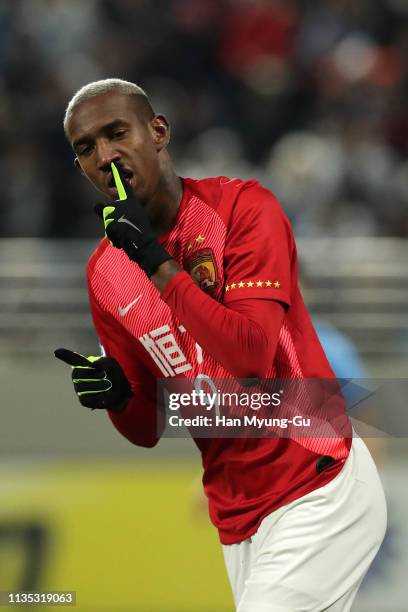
99, 382
118, 183
107, 211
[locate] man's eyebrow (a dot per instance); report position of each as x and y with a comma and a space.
107, 127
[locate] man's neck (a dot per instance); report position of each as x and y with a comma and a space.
163, 210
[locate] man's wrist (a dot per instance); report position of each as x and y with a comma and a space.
164, 273
120, 407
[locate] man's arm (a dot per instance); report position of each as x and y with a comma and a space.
141, 420
242, 333
242, 337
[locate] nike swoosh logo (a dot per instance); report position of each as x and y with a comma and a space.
123, 219
125, 310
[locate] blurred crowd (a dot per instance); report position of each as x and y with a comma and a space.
308, 96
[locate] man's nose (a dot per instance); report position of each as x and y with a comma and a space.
105, 155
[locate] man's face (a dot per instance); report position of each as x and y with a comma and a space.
107, 128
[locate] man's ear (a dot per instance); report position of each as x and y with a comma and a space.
78, 166
160, 130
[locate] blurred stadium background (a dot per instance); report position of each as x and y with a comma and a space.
308, 96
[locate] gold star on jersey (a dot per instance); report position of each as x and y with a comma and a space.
253, 284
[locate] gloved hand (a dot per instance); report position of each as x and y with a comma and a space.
128, 227
99, 382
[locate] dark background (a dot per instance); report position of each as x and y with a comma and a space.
311, 97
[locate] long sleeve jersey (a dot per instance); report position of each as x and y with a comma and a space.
235, 310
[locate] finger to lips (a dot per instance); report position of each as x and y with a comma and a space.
118, 183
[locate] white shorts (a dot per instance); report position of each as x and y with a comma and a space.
312, 554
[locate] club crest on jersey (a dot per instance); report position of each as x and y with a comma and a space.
203, 270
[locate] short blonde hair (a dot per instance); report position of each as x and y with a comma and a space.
98, 88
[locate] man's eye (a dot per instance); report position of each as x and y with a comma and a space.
85, 150
119, 133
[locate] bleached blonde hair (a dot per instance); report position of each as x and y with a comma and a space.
98, 88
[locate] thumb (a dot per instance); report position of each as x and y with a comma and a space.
72, 358
98, 209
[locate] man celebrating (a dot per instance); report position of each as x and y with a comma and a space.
198, 278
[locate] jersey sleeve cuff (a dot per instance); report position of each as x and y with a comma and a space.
181, 279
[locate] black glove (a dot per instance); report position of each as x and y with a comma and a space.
99, 382
128, 227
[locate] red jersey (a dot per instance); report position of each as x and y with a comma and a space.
234, 243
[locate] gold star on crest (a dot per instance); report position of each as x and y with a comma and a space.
250, 284
241, 284
276, 284
200, 239
259, 283
233, 285
268, 283
227, 288
189, 246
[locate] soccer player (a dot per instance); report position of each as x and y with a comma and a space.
199, 278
